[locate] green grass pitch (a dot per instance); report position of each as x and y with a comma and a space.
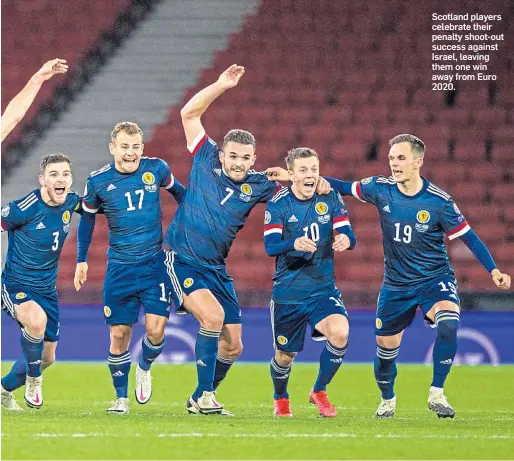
73, 423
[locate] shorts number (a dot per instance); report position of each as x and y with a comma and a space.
338, 302
56, 241
407, 233
163, 293
229, 194
314, 231
452, 286
141, 194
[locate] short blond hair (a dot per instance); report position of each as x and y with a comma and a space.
127, 127
299, 152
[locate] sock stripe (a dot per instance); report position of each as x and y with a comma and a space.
228, 361
124, 358
446, 315
209, 333
31, 338
152, 346
387, 354
336, 350
278, 368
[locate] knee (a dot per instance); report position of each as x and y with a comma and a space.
284, 359
213, 320
37, 324
234, 349
338, 338
155, 334
447, 329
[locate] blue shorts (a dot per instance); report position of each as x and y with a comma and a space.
217, 281
396, 308
289, 321
17, 294
151, 284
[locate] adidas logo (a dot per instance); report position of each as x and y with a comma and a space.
199, 362
387, 209
118, 374
293, 219
111, 187
337, 360
383, 382
446, 362
37, 362
283, 376
40, 226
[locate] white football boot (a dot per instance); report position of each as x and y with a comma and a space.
120, 407
143, 385
208, 405
34, 392
194, 409
386, 408
8, 401
438, 403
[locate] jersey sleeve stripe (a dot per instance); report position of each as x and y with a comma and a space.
88, 209
170, 182
460, 230
273, 229
340, 222
197, 143
356, 191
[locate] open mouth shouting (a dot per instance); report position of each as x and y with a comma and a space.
59, 190
309, 185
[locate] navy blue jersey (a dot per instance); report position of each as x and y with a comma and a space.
214, 207
37, 232
132, 204
413, 229
301, 275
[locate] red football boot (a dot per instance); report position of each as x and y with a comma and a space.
282, 408
320, 399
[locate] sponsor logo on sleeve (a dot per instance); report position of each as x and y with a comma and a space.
267, 217
367, 180
5, 211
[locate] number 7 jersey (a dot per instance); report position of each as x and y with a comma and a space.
413, 229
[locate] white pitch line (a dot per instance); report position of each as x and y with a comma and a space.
337, 435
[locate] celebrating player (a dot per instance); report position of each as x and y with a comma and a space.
222, 191
415, 214
38, 225
18, 107
299, 228
139, 272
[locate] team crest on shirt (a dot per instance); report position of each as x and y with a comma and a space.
282, 340
423, 216
321, 208
66, 217
367, 180
378, 323
5, 211
107, 311
267, 217
188, 282
246, 190
149, 180
456, 208
20, 295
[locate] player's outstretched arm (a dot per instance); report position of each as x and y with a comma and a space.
482, 253
198, 104
84, 237
17, 108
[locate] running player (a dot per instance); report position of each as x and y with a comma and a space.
415, 215
139, 271
221, 192
299, 227
37, 226
18, 107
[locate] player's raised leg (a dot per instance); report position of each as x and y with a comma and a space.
152, 346
385, 372
33, 318
280, 370
119, 365
209, 313
335, 328
446, 317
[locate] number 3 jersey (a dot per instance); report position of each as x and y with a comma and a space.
214, 208
413, 229
132, 204
36, 233
301, 275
